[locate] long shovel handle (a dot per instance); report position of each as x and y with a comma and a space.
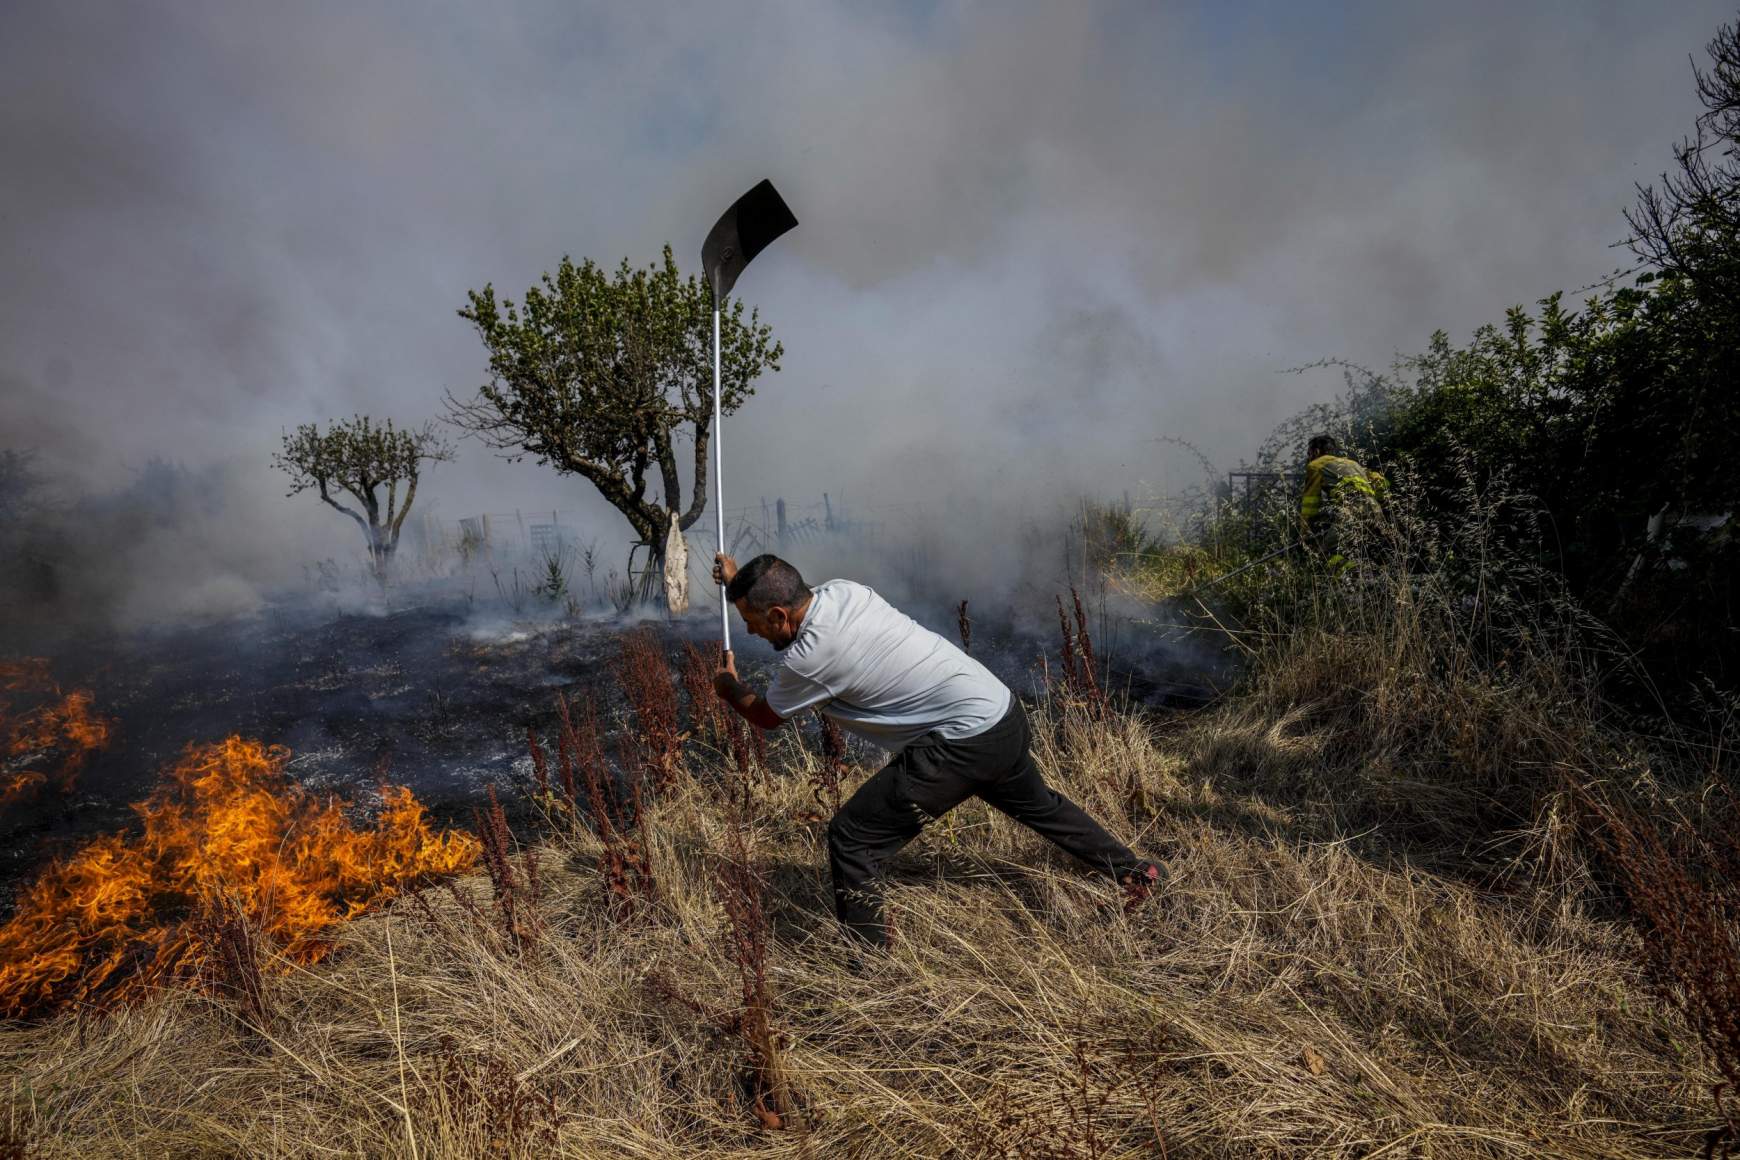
719, 479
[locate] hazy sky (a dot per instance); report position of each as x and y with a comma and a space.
1034, 236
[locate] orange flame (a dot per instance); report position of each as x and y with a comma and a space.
50, 742
228, 832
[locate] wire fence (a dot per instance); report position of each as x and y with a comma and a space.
774, 524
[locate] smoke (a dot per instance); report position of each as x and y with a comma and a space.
1034, 237
174, 543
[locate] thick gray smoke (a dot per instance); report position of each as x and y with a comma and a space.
1035, 236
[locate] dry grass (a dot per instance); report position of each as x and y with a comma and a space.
1383, 936
1289, 994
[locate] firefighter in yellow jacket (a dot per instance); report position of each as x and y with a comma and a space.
1338, 492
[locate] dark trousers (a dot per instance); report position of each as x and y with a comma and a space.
928, 779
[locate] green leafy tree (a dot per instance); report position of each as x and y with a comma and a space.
357, 458
601, 375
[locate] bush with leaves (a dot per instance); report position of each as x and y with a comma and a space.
1617, 417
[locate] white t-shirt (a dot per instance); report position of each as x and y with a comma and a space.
880, 674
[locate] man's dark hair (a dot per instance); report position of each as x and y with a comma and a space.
766, 581
1322, 445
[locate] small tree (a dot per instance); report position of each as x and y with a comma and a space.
598, 375
1689, 225
359, 457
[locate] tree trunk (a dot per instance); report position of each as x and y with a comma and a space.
382, 548
644, 519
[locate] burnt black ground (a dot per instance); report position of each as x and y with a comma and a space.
425, 696
434, 696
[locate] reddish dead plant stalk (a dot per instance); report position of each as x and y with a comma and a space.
517, 901
825, 784
1068, 637
624, 866
485, 1092
232, 963
1089, 677
739, 888
1079, 677
706, 711
577, 747
654, 746
1681, 880
737, 733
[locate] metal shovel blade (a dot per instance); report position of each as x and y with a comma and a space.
753, 220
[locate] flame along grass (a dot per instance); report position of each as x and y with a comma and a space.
48, 742
227, 831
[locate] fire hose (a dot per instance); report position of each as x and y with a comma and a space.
1241, 569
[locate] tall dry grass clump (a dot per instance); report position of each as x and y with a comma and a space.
234, 954
1440, 690
1446, 702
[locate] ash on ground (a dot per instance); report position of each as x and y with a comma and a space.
431, 696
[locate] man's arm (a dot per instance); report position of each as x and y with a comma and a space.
749, 704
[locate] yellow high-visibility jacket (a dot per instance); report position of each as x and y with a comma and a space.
1333, 480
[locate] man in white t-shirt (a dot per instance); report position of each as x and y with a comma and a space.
955, 731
